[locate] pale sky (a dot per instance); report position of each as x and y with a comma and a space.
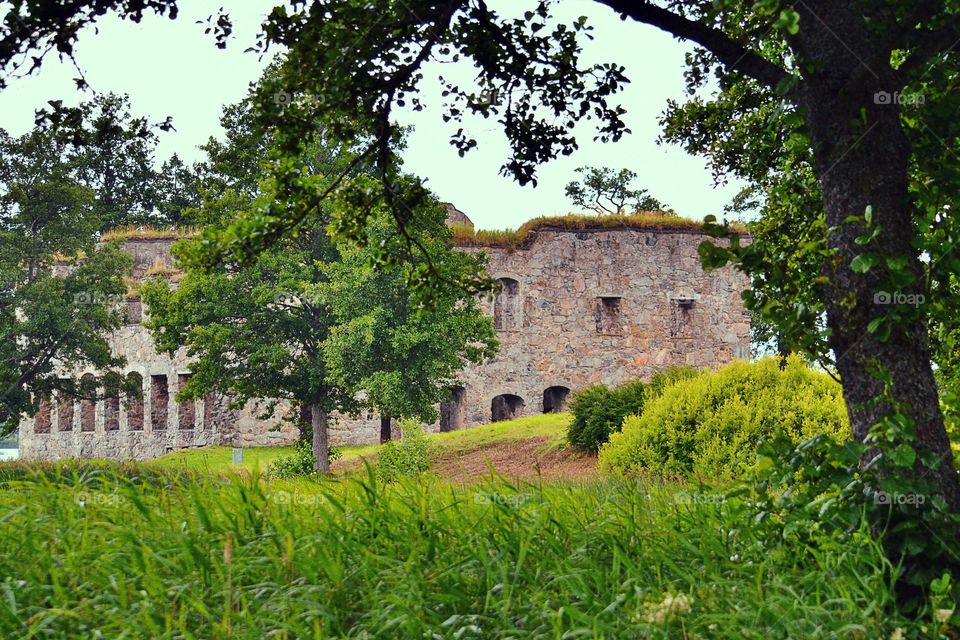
170, 68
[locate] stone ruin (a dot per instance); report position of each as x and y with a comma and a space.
574, 307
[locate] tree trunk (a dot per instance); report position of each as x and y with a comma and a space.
861, 157
782, 351
321, 440
384, 429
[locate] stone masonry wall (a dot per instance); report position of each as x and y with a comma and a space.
575, 307
591, 306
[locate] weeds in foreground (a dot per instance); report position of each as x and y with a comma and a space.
194, 557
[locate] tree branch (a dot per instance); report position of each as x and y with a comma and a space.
928, 44
733, 55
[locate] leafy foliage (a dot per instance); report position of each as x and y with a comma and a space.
54, 317
710, 424
313, 319
795, 105
604, 191
407, 458
404, 355
417, 556
301, 463
803, 493
599, 410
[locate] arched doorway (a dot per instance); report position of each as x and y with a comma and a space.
555, 399
506, 407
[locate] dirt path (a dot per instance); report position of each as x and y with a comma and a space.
525, 459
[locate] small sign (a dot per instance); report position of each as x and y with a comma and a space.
237, 455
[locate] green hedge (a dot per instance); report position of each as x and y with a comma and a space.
599, 410
709, 425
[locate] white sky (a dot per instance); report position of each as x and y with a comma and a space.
170, 68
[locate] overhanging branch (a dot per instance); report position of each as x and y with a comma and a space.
733, 55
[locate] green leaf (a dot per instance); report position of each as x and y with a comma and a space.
876, 322
789, 20
903, 456
863, 263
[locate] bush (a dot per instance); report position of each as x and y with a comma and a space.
710, 425
666, 378
408, 457
301, 463
599, 411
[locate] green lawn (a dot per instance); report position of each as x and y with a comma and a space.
551, 425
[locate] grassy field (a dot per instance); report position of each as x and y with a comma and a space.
552, 426
169, 550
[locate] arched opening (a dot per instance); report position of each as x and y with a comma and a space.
506, 312
451, 411
88, 408
135, 403
555, 399
506, 407
111, 412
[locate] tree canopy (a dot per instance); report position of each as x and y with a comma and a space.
60, 295
318, 321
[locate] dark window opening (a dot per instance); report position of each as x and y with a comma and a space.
65, 413
88, 408
506, 407
186, 409
555, 399
135, 403
111, 413
608, 315
680, 316
134, 310
208, 408
452, 410
41, 424
506, 309
159, 397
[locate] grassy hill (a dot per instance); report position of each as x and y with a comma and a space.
456, 454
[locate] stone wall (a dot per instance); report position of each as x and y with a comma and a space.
574, 308
136, 428
579, 307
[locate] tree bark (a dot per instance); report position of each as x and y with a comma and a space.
385, 429
321, 439
861, 158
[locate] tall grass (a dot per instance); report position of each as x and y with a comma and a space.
114, 554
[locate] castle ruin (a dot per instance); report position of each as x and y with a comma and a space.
574, 307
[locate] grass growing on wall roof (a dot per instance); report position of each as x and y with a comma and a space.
147, 232
466, 236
